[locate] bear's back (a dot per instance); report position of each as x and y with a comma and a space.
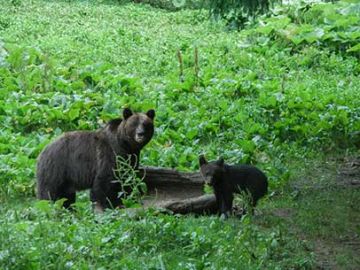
72, 158
247, 177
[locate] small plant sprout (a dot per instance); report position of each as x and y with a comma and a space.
132, 185
243, 203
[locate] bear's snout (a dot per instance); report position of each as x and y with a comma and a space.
208, 180
144, 129
140, 137
140, 134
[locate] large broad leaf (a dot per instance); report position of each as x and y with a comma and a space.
266, 29
43, 206
315, 35
297, 40
248, 146
179, 3
353, 9
355, 48
74, 113
191, 134
291, 32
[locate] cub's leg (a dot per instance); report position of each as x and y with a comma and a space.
224, 202
228, 204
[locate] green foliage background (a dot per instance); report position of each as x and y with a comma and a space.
291, 79
287, 85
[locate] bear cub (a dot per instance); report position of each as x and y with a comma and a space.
82, 160
229, 179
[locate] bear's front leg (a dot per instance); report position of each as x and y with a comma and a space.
103, 193
223, 211
219, 200
228, 204
225, 204
98, 197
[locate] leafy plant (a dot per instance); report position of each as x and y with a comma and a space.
132, 185
237, 12
334, 26
243, 203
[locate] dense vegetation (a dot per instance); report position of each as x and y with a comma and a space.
282, 89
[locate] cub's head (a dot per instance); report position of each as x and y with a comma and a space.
211, 171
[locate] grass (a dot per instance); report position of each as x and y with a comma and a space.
306, 225
322, 210
53, 239
269, 95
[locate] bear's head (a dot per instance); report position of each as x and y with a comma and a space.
211, 171
137, 128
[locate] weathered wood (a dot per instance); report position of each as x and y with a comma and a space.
198, 205
179, 192
155, 175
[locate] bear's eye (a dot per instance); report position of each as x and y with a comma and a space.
134, 124
147, 125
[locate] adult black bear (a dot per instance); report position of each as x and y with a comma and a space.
86, 159
227, 180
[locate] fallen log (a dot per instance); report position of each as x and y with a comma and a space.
179, 192
205, 204
157, 176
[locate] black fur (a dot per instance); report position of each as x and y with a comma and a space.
86, 160
227, 180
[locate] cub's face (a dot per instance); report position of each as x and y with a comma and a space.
211, 171
139, 127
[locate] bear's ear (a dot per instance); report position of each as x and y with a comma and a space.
127, 113
220, 162
202, 160
114, 123
151, 114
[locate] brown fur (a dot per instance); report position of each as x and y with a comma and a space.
86, 160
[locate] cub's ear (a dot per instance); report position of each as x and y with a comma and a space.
202, 160
151, 114
220, 162
127, 113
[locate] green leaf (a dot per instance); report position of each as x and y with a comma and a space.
179, 3
191, 134
355, 48
73, 113
315, 35
43, 206
248, 146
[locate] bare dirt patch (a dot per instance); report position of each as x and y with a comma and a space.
349, 173
336, 197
